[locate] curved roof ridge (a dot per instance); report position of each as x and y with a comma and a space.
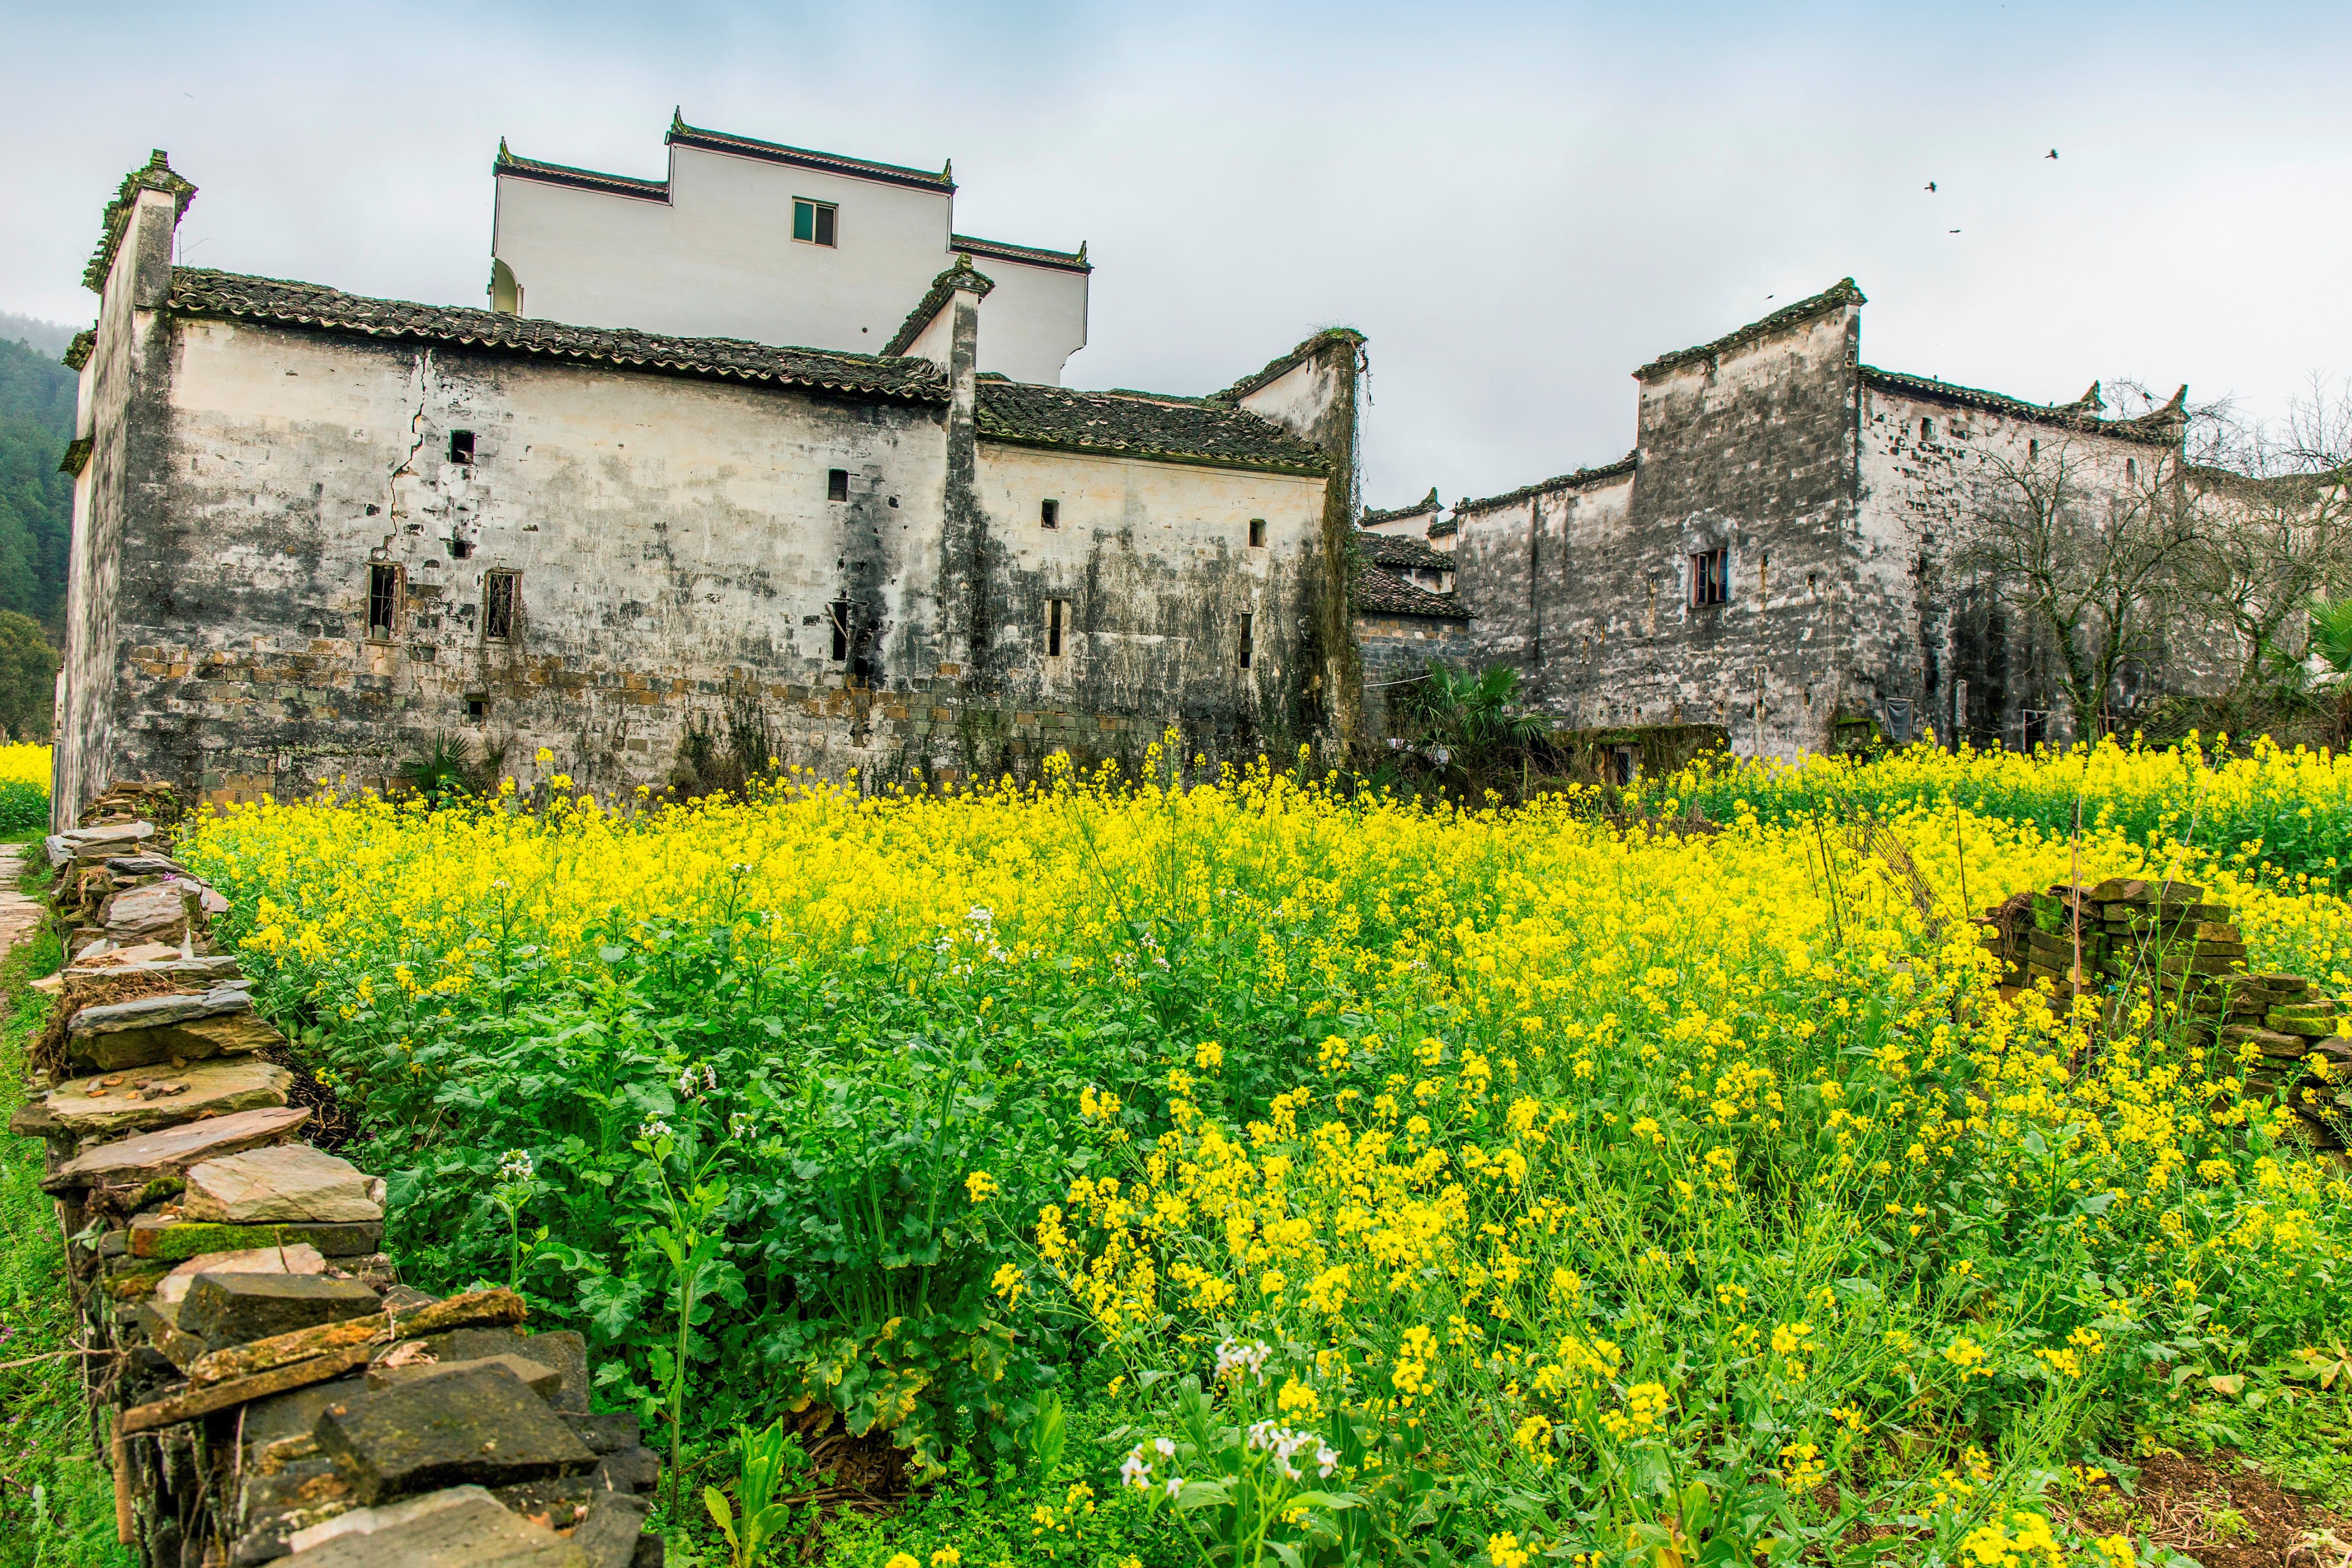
1842, 292
1624, 465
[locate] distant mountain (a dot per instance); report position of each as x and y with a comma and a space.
36, 417
46, 336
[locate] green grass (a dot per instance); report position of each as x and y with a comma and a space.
56, 1497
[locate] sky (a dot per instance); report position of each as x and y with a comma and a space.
1517, 204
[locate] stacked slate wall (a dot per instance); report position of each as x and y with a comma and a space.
262, 1383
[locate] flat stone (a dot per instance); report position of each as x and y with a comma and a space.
224, 1309
139, 1100
149, 913
170, 1238
608, 1537
540, 1380
482, 1425
368, 1520
452, 1538
135, 1161
118, 833
161, 1322
294, 1414
276, 1502
605, 1433
156, 958
147, 864
295, 1259
290, 1181
634, 1469
564, 1351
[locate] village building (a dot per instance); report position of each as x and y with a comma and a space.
315, 533
1774, 559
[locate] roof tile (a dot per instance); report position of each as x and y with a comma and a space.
1140, 424
1841, 293
1384, 591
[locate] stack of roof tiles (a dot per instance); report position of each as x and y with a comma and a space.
274, 1390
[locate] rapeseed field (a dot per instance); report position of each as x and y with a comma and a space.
1239, 1171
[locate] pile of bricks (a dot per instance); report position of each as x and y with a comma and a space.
274, 1390
2160, 942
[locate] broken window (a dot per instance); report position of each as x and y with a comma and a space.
1257, 534
814, 223
838, 613
384, 602
1249, 625
461, 446
1057, 621
1049, 514
2037, 727
500, 590
1710, 577
837, 484
460, 547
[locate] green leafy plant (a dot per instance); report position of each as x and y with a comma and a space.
765, 1456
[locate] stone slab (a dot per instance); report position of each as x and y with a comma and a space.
273, 1504
133, 1161
106, 1106
452, 1538
171, 1239
294, 1414
565, 1349
605, 1433
480, 1425
225, 1310
153, 1029
368, 1520
157, 958
289, 1182
608, 1537
157, 912
540, 1380
295, 1259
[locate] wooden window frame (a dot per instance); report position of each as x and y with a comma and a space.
492, 630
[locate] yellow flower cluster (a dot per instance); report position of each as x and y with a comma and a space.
21, 763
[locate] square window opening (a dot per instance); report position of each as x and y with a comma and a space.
1057, 622
815, 223
1049, 514
477, 708
460, 547
838, 613
461, 446
384, 602
501, 592
1249, 638
1257, 534
1710, 577
837, 484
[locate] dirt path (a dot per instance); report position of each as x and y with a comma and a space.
20, 916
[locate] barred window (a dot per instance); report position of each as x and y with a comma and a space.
501, 592
384, 602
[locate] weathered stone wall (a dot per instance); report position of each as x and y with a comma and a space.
678, 561
1536, 568
1395, 649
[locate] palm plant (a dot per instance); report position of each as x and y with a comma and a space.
1467, 721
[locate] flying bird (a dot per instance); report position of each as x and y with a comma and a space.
1952, 231
1931, 185
2054, 151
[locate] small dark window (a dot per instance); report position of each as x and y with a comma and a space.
1049, 514
461, 446
1710, 577
1249, 625
1057, 621
1926, 430
1625, 766
837, 484
838, 613
2037, 727
2033, 451
499, 591
1257, 534
384, 602
813, 222
460, 547
2131, 471
477, 708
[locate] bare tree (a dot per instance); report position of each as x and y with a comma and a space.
2276, 505
2092, 563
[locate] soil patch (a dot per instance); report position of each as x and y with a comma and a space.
2223, 1514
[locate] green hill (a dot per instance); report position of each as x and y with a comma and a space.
36, 414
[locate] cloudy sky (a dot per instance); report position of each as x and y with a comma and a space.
1518, 205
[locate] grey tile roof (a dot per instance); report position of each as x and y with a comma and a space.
2161, 427
78, 353
1622, 465
1838, 294
154, 175
1402, 552
935, 297
1140, 424
1427, 503
1284, 363
200, 291
1384, 591
1444, 528
681, 134
513, 167
997, 250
